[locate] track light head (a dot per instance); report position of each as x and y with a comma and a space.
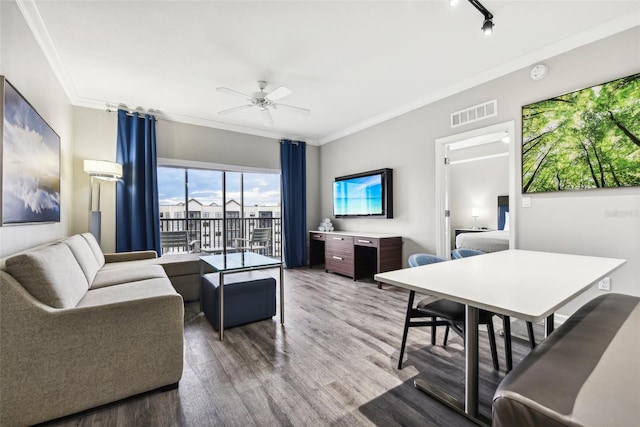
487, 27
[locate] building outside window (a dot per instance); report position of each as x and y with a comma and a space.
195, 200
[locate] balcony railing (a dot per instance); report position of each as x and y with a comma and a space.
210, 232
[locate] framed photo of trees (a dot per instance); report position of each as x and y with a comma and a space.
585, 139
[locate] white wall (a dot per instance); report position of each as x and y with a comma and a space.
24, 65
477, 184
96, 135
599, 222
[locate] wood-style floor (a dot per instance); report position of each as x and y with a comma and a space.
334, 363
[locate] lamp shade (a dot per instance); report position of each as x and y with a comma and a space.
103, 169
475, 212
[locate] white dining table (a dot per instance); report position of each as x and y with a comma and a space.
527, 285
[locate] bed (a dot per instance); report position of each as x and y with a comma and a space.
489, 241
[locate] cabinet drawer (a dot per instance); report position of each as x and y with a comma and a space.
366, 241
339, 264
339, 243
317, 236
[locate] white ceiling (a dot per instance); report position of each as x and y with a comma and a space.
353, 63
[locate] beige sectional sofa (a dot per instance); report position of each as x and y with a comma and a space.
77, 332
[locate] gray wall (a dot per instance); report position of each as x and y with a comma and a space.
95, 133
24, 65
597, 222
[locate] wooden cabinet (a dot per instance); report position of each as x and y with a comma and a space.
357, 255
338, 255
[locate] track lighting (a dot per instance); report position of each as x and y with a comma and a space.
487, 25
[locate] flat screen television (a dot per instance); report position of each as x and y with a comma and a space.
585, 139
366, 194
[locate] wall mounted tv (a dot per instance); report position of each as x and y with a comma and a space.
366, 194
585, 139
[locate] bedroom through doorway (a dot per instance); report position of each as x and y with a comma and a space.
473, 169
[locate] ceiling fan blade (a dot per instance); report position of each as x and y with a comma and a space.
234, 109
297, 110
266, 116
281, 92
233, 92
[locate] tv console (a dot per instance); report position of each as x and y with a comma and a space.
356, 254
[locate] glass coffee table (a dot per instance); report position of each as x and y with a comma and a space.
238, 262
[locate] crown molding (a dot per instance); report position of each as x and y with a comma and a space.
598, 32
34, 20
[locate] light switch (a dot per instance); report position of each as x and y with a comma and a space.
526, 202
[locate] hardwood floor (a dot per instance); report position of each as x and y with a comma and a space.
332, 364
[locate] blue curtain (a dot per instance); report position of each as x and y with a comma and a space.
294, 202
137, 211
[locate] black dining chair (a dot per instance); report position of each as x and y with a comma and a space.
463, 253
441, 312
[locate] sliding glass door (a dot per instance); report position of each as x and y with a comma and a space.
220, 209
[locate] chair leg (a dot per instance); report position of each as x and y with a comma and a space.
407, 318
506, 326
433, 331
492, 344
532, 338
446, 336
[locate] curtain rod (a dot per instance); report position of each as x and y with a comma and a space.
111, 109
283, 141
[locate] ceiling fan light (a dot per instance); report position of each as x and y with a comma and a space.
487, 27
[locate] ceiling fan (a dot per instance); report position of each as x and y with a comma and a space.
264, 101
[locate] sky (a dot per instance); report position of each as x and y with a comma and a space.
206, 186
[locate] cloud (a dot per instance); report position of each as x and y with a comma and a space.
31, 167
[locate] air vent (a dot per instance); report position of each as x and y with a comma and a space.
475, 113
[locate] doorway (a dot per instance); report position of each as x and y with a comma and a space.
477, 139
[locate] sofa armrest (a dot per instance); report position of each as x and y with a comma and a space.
129, 256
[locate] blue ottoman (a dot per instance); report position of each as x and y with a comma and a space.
248, 297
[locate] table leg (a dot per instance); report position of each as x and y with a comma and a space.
221, 308
468, 408
200, 284
548, 325
281, 294
471, 361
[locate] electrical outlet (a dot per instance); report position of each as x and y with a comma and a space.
604, 284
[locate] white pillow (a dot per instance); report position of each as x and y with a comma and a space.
506, 221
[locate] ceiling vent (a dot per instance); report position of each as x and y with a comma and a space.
475, 113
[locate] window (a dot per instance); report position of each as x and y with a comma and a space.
197, 201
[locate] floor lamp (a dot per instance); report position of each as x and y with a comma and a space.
99, 170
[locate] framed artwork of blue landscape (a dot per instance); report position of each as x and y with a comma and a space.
30, 163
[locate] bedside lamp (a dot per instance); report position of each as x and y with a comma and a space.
475, 213
99, 170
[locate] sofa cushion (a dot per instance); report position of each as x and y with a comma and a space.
144, 289
180, 264
116, 275
95, 247
84, 255
52, 275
